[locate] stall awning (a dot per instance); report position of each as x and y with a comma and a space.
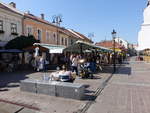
77, 46
11, 51
52, 48
116, 49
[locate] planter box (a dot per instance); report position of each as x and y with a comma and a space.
53, 88
29, 86
46, 88
70, 90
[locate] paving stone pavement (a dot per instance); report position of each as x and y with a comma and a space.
24, 102
127, 92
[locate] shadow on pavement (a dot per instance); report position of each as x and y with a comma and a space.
89, 91
94, 77
86, 85
106, 69
12, 79
89, 97
124, 71
4, 90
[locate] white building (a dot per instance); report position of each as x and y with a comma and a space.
10, 22
144, 33
122, 42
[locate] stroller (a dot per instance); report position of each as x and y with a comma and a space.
85, 70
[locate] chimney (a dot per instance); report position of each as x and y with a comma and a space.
12, 4
42, 16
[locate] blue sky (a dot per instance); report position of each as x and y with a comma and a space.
87, 16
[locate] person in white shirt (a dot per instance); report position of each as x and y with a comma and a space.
75, 64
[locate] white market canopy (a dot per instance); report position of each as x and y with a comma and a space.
52, 48
79, 46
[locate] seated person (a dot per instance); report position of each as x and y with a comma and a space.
54, 76
63, 75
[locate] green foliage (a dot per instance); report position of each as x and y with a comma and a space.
21, 42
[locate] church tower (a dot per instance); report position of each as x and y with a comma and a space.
144, 33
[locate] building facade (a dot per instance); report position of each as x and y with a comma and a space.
47, 32
64, 36
122, 42
144, 33
79, 36
108, 44
41, 29
10, 22
14, 23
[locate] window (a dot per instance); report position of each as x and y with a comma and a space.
29, 30
1, 25
66, 41
62, 41
13, 28
54, 36
39, 34
47, 36
71, 41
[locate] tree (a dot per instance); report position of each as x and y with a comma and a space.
21, 42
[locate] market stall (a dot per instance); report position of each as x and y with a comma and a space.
80, 47
10, 59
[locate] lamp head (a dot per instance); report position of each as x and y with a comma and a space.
53, 21
60, 20
114, 34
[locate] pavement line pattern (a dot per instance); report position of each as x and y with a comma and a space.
20, 104
19, 110
96, 94
132, 84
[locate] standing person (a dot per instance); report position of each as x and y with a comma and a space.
75, 64
120, 58
71, 57
70, 60
110, 59
36, 52
93, 65
105, 59
41, 63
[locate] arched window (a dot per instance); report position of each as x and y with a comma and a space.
39, 34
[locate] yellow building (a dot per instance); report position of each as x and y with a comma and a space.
49, 33
41, 29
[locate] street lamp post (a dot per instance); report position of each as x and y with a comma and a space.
114, 52
57, 20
